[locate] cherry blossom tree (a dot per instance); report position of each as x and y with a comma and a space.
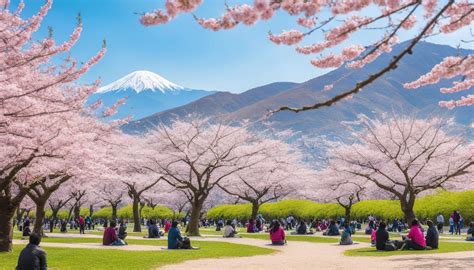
277, 172
56, 202
177, 201
333, 185
333, 23
406, 157
195, 156
128, 158
39, 104
113, 195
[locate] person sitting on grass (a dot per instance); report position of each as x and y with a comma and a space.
470, 232
122, 231
153, 230
110, 236
174, 236
370, 227
346, 238
251, 226
415, 239
332, 230
229, 230
32, 257
302, 228
432, 235
277, 234
382, 241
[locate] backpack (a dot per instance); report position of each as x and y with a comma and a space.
185, 244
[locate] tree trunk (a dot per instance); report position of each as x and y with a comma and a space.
193, 226
6, 226
114, 211
255, 207
91, 210
77, 212
347, 215
39, 218
54, 219
409, 216
407, 209
136, 214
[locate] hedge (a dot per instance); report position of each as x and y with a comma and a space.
159, 211
426, 207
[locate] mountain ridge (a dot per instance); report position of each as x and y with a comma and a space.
385, 95
146, 93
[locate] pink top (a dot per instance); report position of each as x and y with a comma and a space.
277, 236
81, 220
416, 235
373, 235
167, 226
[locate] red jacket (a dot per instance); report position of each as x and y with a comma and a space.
110, 236
277, 236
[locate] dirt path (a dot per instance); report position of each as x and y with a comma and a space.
306, 255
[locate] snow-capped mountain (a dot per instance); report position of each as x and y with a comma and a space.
146, 93
139, 81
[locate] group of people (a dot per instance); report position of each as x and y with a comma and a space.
415, 239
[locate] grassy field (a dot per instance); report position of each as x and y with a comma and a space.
444, 247
70, 258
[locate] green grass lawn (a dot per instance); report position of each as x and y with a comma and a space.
444, 247
70, 258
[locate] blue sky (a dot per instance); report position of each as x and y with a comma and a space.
180, 51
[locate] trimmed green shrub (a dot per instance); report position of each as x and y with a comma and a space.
425, 208
126, 212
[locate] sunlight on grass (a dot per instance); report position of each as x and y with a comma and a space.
70, 258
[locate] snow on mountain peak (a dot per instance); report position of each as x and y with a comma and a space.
139, 81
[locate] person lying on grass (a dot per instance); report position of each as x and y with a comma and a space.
32, 257
277, 234
415, 239
110, 237
470, 232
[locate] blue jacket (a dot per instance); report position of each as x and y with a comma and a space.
174, 236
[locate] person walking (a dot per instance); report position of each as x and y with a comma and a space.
82, 225
457, 222
440, 222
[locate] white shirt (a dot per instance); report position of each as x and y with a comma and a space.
440, 219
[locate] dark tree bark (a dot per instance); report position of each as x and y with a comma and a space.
136, 214
135, 194
193, 226
6, 226
255, 208
114, 211
39, 217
